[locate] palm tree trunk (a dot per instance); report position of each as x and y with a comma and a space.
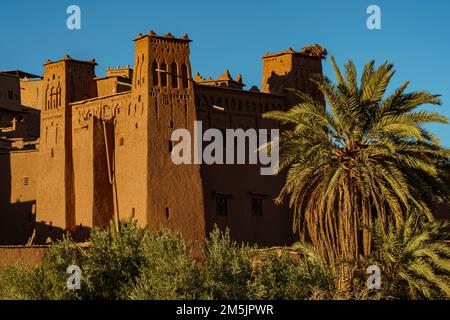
345, 278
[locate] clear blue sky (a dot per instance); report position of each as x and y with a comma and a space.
415, 35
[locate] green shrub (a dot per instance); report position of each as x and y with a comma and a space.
45, 282
169, 271
276, 277
136, 264
114, 261
227, 267
54, 270
17, 283
288, 277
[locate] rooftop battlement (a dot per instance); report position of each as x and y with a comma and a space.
68, 58
119, 71
224, 80
103, 144
315, 51
168, 36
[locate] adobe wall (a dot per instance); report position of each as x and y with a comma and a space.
94, 197
112, 84
80, 132
27, 125
9, 92
29, 256
19, 176
175, 193
127, 138
31, 93
241, 183
290, 70
106, 86
65, 81
52, 198
131, 142
6, 117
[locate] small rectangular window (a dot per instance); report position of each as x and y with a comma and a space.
163, 74
26, 181
221, 206
121, 141
155, 74
133, 212
167, 213
184, 76
174, 75
257, 207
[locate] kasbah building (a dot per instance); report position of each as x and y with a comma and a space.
77, 150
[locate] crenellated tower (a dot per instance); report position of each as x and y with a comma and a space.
292, 69
151, 188
64, 81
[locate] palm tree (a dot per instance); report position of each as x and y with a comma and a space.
414, 261
356, 158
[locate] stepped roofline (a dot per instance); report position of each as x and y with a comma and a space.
167, 36
69, 58
225, 79
314, 51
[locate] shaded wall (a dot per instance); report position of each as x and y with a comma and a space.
173, 193
9, 92
18, 176
31, 93
29, 256
241, 184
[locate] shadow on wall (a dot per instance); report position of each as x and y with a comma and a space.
279, 84
47, 234
81, 234
18, 223
32, 119
17, 217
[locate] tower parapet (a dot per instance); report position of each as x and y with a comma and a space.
64, 81
125, 72
292, 69
153, 189
314, 50
167, 36
224, 80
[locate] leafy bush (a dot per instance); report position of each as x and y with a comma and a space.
16, 283
45, 282
136, 264
114, 261
169, 271
227, 267
54, 270
287, 277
